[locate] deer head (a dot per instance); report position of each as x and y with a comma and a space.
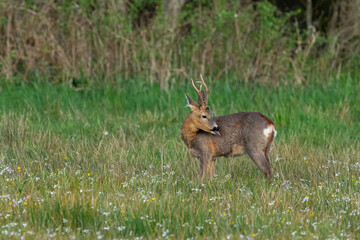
201, 115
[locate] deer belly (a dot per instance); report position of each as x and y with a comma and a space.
237, 150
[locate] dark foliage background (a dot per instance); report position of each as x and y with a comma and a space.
98, 42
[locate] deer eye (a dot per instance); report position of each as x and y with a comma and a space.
203, 116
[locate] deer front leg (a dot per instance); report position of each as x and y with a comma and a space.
212, 167
205, 165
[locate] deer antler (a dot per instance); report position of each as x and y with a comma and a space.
202, 97
198, 91
206, 88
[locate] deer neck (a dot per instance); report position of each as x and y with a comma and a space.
188, 130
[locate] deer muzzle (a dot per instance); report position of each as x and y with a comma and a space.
215, 130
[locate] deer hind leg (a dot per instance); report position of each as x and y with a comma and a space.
262, 162
267, 150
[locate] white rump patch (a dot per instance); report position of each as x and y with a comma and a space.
269, 130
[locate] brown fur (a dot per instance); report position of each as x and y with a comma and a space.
237, 150
188, 133
213, 147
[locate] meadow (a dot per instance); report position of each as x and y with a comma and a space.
109, 163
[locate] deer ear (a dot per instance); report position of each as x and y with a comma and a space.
191, 103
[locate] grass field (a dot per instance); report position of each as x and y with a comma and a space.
109, 163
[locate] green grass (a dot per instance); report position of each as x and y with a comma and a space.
110, 162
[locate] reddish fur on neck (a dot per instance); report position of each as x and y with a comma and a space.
188, 130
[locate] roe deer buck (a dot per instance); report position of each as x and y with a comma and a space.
208, 137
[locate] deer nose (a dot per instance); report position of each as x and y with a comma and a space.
215, 129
